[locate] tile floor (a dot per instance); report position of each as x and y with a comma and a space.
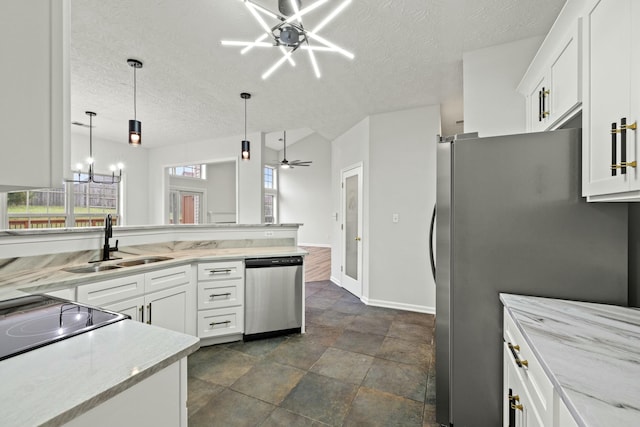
356, 366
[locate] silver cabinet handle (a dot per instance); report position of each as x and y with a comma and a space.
220, 271
220, 295
142, 313
226, 322
149, 307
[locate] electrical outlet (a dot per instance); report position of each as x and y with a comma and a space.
395, 217
268, 233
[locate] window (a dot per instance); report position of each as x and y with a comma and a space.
270, 195
189, 171
74, 205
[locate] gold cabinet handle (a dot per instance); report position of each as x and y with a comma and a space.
515, 398
524, 363
358, 239
516, 347
518, 407
632, 126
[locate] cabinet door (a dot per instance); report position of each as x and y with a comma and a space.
168, 308
34, 106
564, 93
134, 308
607, 74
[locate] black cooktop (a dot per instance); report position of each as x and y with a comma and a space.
33, 321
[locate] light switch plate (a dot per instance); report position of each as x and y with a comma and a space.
395, 217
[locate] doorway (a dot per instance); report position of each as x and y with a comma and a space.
185, 207
351, 267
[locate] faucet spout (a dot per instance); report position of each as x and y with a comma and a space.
108, 233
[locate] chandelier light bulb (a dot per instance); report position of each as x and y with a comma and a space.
120, 166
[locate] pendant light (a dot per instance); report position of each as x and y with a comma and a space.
90, 176
246, 148
135, 126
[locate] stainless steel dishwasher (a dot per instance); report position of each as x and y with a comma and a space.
273, 296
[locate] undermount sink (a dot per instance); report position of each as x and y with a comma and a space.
141, 261
91, 268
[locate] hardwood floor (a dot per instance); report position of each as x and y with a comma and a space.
317, 264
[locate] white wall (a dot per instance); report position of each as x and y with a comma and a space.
305, 192
491, 104
250, 198
398, 154
350, 148
402, 180
221, 191
135, 173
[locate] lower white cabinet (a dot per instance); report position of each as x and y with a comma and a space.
529, 397
163, 297
157, 401
220, 301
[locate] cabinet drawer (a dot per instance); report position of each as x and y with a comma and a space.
221, 270
109, 291
532, 375
222, 321
167, 278
222, 293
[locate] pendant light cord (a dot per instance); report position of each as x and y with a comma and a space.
245, 119
134, 94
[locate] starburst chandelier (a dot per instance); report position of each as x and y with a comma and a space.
289, 34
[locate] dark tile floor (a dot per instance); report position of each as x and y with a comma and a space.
355, 366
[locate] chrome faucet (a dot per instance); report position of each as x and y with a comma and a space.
108, 233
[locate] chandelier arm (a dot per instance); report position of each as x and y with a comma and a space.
328, 44
278, 63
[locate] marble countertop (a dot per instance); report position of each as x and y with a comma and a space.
591, 353
54, 384
47, 279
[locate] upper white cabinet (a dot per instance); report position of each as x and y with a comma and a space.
611, 100
34, 106
552, 83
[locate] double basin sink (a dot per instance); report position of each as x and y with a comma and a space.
95, 268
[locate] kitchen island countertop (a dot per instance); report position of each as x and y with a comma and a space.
590, 352
53, 384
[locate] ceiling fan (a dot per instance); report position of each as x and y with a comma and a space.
290, 164
287, 32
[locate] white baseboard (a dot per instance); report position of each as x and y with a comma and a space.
335, 281
400, 306
315, 245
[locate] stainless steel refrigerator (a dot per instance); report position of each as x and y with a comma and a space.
510, 218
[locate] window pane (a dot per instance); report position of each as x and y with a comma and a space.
191, 171
268, 177
44, 208
268, 208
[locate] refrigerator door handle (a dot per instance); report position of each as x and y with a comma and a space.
431, 254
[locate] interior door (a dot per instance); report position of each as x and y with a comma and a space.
188, 209
352, 230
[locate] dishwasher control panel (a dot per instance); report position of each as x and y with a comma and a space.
273, 262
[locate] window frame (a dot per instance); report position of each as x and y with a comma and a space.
270, 192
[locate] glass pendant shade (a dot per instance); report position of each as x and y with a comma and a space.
135, 132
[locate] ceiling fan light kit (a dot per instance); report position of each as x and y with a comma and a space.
289, 34
135, 126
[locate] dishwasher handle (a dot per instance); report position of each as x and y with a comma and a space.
273, 262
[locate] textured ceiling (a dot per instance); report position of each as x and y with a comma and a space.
408, 53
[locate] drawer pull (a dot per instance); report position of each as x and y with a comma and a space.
514, 349
220, 271
518, 407
226, 322
227, 294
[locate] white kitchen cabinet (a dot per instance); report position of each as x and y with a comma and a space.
529, 397
162, 297
220, 301
35, 101
157, 401
552, 84
133, 308
611, 87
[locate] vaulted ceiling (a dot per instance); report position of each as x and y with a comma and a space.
408, 53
